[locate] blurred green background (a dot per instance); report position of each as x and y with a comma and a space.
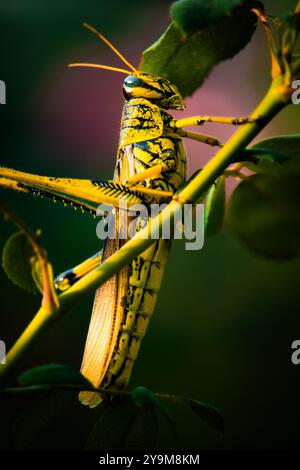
225, 319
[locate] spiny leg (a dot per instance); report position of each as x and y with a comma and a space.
147, 194
155, 194
68, 278
55, 197
14, 185
203, 138
70, 190
200, 120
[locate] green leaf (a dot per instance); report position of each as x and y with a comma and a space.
187, 58
191, 15
264, 213
38, 416
214, 208
144, 432
289, 32
142, 396
279, 154
210, 415
114, 425
263, 158
16, 261
53, 374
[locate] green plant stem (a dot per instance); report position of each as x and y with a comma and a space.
275, 99
30, 336
79, 388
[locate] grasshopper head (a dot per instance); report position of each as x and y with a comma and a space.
156, 89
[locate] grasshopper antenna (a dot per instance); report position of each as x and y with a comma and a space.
111, 46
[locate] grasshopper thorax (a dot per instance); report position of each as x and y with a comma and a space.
155, 89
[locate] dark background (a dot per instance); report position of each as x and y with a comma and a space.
225, 319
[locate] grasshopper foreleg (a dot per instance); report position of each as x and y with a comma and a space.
200, 120
203, 138
167, 163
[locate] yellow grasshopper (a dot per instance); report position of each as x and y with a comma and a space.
150, 168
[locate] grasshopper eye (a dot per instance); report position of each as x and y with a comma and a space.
132, 81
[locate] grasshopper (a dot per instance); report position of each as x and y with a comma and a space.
150, 168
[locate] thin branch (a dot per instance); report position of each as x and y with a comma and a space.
83, 388
275, 66
66, 387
